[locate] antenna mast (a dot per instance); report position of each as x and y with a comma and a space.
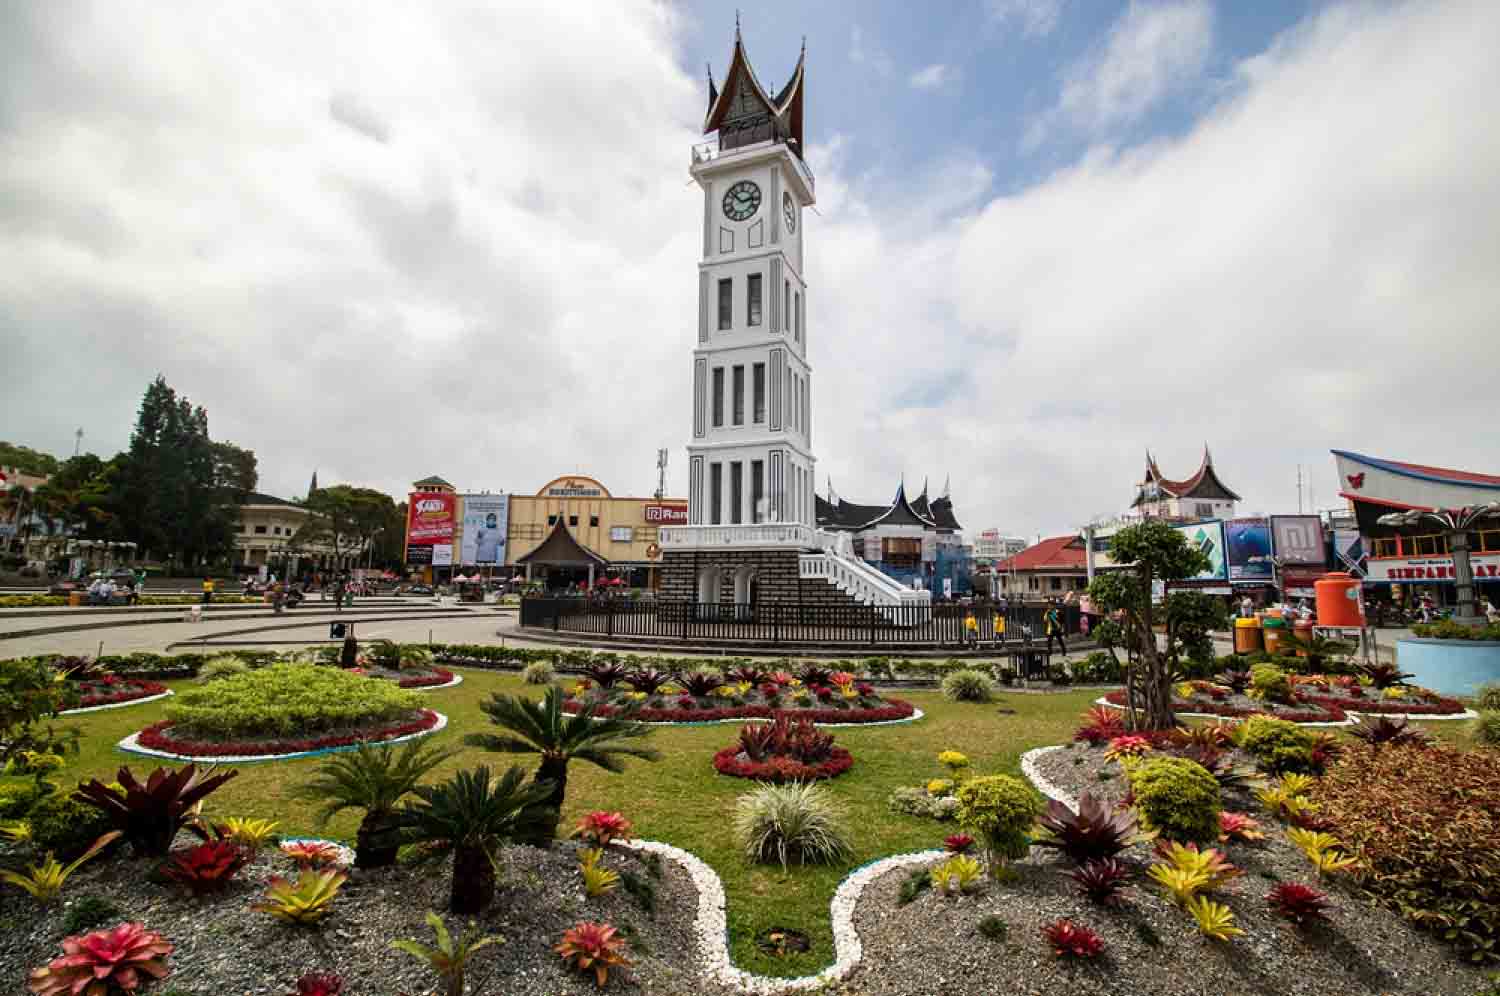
661, 474
77, 439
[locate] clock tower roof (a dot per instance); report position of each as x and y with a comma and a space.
742, 102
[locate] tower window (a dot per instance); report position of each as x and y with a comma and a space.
739, 395
759, 378
797, 306
715, 493
726, 305
736, 491
752, 310
757, 489
786, 312
718, 397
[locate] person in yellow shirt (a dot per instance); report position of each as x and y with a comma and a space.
999, 627
208, 590
971, 628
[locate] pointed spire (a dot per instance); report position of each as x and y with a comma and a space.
1208, 458
713, 91
314, 485
924, 486
947, 487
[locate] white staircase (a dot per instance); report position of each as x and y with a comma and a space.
860, 581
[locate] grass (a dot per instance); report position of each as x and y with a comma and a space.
682, 800
679, 799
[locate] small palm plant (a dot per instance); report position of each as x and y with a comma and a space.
374, 779
449, 957
472, 812
543, 728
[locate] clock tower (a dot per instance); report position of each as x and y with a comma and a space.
750, 456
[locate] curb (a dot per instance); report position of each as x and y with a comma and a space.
131, 745
117, 705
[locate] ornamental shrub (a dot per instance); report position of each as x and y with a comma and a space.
65, 826
1423, 822
1002, 810
1488, 699
16, 798
225, 666
1269, 682
793, 822
1277, 744
1486, 728
538, 673
289, 698
968, 685
1178, 797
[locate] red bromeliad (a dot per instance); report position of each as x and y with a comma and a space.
1068, 938
106, 960
593, 948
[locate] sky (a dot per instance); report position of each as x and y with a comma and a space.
393, 240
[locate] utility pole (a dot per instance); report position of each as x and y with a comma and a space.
77, 439
1299, 489
661, 474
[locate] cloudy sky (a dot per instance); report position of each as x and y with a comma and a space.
392, 240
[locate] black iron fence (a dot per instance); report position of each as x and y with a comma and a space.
936, 624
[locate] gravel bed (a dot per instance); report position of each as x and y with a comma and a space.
224, 948
933, 947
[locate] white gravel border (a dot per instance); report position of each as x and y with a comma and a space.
1102, 701
712, 927
131, 745
1354, 715
916, 715
1031, 771
458, 679
116, 705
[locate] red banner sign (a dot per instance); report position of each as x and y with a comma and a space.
667, 515
430, 518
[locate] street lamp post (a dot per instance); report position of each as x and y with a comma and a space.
1455, 523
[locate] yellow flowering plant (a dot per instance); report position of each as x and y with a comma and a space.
953, 760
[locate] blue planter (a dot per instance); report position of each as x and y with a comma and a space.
1449, 667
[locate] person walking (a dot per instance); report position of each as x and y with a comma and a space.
999, 625
338, 593
278, 597
1052, 622
208, 589
971, 628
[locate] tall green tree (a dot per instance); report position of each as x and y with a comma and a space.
27, 460
346, 518
1154, 551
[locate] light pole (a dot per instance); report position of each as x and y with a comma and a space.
1455, 523
370, 549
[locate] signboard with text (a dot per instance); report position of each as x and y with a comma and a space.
430, 518
667, 515
1298, 539
1410, 570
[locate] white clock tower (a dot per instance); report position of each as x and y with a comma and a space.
750, 456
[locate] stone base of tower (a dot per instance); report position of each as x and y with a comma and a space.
743, 577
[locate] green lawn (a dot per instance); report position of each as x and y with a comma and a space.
681, 799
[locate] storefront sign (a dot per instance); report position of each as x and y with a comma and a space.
667, 515
1410, 570
571, 490
430, 518
486, 521
419, 556
1208, 537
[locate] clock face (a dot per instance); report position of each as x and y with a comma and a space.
790, 211
741, 201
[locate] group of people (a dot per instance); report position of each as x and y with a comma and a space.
103, 590
1052, 626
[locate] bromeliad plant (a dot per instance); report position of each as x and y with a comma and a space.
449, 957
106, 961
959, 875
1069, 939
1095, 831
319, 984
1101, 880
45, 881
374, 779
1299, 903
251, 833
151, 814
1322, 849
593, 948
313, 853
1383, 731
305, 901
1215, 920
1100, 725
1239, 827
597, 880
208, 867
600, 828
1126, 746
543, 728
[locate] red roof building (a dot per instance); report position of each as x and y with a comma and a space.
1052, 567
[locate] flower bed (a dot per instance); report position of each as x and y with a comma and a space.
1323, 713
893, 710
783, 751
160, 737
1396, 707
111, 690
733, 762
427, 677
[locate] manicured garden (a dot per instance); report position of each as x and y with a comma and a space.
725, 793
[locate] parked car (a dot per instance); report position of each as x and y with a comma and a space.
417, 589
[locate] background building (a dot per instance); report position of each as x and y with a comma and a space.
263, 533
1201, 496
918, 543
1049, 569
991, 546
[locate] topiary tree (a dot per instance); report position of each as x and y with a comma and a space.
1155, 552
1177, 797
1002, 810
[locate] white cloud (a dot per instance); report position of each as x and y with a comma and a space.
933, 77
1036, 17
1152, 51
1312, 266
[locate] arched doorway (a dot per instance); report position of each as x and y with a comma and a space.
745, 593
709, 592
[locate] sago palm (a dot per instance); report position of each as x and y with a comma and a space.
543, 728
372, 778
472, 812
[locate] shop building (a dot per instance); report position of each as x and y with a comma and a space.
1407, 561
1048, 569
917, 543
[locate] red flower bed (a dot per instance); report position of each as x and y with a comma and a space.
1329, 713
437, 676
892, 710
1436, 707
781, 769
125, 691
155, 738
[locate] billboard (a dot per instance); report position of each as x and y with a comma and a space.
1298, 540
430, 518
1208, 537
1348, 549
486, 522
1249, 544
662, 514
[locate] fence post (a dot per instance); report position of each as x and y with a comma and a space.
775, 608
688, 609
556, 613
609, 619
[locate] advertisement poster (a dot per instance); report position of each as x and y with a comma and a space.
430, 518
442, 555
486, 522
1298, 539
1348, 549
1208, 537
419, 556
1249, 545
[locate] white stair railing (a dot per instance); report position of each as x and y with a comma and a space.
860, 581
